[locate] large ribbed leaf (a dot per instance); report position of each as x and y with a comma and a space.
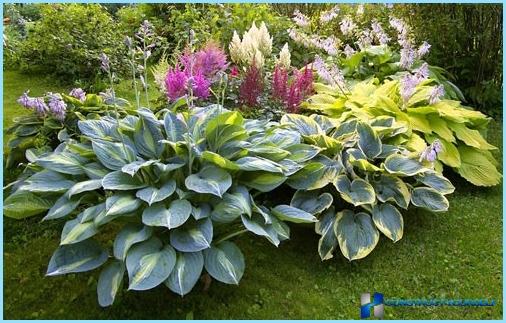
477, 168
219, 161
113, 155
391, 188
368, 141
357, 192
63, 162
302, 152
132, 168
263, 181
193, 236
147, 135
86, 186
293, 214
436, 181
325, 227
174, 128
78, 257
122, 182
128, 236
186, 272
302, 124
470, 137
172, 217
47, 181
109, 282
257, 225
91, 213
430, 199
356, 234
75, 231
258, 164
388, 220
311, 201
23, 204
211, 180
311, 177
152, 194
62, 207
121, 204
225, 262
403, 165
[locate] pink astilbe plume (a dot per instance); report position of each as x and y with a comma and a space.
200, 86
175, 83
280, 83
300, 87
210, 60
251, 87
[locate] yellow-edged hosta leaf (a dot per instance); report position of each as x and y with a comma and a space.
477, 168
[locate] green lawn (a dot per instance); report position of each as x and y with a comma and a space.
450, 255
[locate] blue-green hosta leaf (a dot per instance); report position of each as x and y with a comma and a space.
152, 194
147, 135
150, 268
62, 207
368, 141
257, 225
356, 234
258, 163
311, 177
75, 258
211, 180
311, 202
75, 231
132, 168
325, 227
174, 127
233, 118
290, 167
302, 152
176, 215
263, 181
224, 134
97, 129
304, 125
193, 236
120, 181
47, 181
268, 151
113, 155
225, 262
86, 186
436, 181
388, 220
357, 192
402, 165
283, 138
345, 128
186, 272
391, 188
202, 211
292, 214
172, 164
128, 236
109, 282
219, 161
95, 170
430, 199
326, 123
121, 204
232, 206
91, 213
23, 204
63, 162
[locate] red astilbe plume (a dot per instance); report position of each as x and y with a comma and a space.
300, 88
251, 87
280, 83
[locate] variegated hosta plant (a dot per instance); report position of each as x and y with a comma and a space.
460, 130
174, 189
360, 181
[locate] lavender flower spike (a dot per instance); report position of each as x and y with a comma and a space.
437, 93
40, 106
430, 153
105, 63
423, 49
25, 100
78, 93
57, 106
332, 76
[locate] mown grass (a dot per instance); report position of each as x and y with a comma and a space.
450, 255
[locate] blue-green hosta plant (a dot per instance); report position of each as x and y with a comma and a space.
360, 181
172, 189
418, 103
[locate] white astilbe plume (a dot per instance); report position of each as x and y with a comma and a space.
235, 48
256, 44
284, 58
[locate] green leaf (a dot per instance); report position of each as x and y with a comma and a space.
302, 152
97, 129
262, 181
311, 202
398, 164
113, 155
293, 214
304, 125
147, 135
128, 236
62, 207
186, 272
95, 170
91, 213
311, 177
388, 220
477, 168
75, 231
219, 161
225, 262
202, 211
257, 225
121, 204
132, 168
174, 128
436, 181
109, 282
368, 141
232, 206
210, 180
356, 234
391, 188
471, 137
63, 162
122, 182
358, 192
325, 227
430, 199
176, 215
193, 236
23, 204
259, 164
152, 194
86, 186
75, 258
47, 181
233, 118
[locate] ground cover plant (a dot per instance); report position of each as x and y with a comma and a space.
244, 145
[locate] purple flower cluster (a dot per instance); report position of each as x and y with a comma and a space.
411, 81
436, 94
300, 19
430, 153
78, 93
55, 105
329, 15
348, 51
196, 72
332, 76
105, 63
347, 26
379, 34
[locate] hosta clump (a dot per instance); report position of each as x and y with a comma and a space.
359, 181
413, 102
176, 189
